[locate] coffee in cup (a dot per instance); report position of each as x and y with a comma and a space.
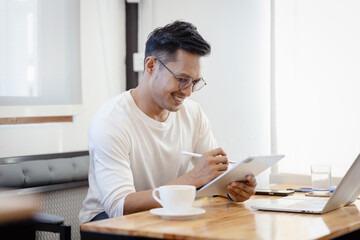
175, 199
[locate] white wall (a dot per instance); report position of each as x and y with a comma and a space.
103, 76
237, 97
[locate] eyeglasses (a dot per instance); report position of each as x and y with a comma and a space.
184, 83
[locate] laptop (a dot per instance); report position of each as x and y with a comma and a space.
346, 193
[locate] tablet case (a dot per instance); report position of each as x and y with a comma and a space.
252, 165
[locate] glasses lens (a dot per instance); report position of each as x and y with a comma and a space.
184, 83
198, 85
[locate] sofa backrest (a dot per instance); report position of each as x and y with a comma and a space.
44, 172
60, 180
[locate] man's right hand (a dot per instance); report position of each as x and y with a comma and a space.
208, 167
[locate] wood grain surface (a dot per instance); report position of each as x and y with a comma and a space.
228, 220
30, 120
17, 208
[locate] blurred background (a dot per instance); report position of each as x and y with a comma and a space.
283, 76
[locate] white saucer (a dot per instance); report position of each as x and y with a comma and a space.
194, 212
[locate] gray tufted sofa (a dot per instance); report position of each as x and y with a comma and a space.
59, 179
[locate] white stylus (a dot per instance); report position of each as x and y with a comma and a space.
197, 155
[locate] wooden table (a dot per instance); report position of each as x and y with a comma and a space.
228, 220
16, 208
16, 214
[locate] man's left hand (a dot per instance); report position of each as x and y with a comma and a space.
242, 191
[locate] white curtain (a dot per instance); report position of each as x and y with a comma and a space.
96, 86
40, 52
111, 24
317, 77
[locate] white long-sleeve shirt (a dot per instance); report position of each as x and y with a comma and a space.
130, 151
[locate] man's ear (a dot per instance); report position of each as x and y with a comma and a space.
150, 64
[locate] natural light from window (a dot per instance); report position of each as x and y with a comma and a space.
18, 43
317, 79
40, 54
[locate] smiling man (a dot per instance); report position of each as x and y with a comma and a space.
135, 139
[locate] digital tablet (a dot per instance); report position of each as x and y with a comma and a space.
252, 165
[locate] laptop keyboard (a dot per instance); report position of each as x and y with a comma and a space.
306, 203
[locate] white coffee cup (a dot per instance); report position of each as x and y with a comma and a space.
175, 198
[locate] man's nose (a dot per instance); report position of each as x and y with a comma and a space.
188, 91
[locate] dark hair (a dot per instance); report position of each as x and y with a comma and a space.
163, 42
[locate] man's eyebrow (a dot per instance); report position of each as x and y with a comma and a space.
186, 75
183, 75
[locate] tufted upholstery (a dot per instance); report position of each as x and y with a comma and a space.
59, 179
44, 172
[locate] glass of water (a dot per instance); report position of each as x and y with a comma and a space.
321, 179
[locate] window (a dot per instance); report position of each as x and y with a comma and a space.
317, 59
40, 53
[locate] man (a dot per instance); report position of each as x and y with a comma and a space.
136, 138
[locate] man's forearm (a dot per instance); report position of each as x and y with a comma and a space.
139, 201
186, 179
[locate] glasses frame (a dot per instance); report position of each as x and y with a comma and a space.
181, 80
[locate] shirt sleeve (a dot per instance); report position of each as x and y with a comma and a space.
206, 140
113, 176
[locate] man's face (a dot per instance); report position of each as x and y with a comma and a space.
164, 86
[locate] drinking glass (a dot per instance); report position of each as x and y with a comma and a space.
320, 179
